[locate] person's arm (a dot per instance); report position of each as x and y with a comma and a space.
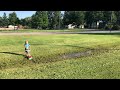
24, 46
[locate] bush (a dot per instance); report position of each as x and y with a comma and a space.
115, 27
112, 27
26, 27
108, 27
101, 26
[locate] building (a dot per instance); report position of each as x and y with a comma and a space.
71, 26
12, 27
81, 26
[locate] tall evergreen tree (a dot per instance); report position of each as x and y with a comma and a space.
1, 22
5, 20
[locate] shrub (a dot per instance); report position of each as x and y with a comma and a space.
115, 27
108, 27
26, 27
101, 26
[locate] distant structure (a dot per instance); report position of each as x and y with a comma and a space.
81, 26
10, 27
13, 27
71, 26
96, 24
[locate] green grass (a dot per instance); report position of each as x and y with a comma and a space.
35, 30
47, 51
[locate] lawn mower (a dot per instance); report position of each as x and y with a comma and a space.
29, 57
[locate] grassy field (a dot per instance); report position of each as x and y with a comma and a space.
35, 30
50, 56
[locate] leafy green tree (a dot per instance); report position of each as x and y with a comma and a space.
89, 18
66, 18
77, 17
23, 22
61, 21
113, 17
94, 16
18, 21
40, 20
13, 18
107, 16
54, 19
45, 19
117, 13
50, 19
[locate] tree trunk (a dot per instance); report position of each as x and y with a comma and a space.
14, 27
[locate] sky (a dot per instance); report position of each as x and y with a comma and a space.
20, 14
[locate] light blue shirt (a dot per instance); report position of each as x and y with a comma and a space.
27, 46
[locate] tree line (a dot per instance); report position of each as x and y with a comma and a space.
57, 20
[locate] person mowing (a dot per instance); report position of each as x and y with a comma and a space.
27, 50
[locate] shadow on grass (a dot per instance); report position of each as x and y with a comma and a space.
13, 53
75, 46
25, 58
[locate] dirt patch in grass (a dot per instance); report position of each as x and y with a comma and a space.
77, 54
55, 58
